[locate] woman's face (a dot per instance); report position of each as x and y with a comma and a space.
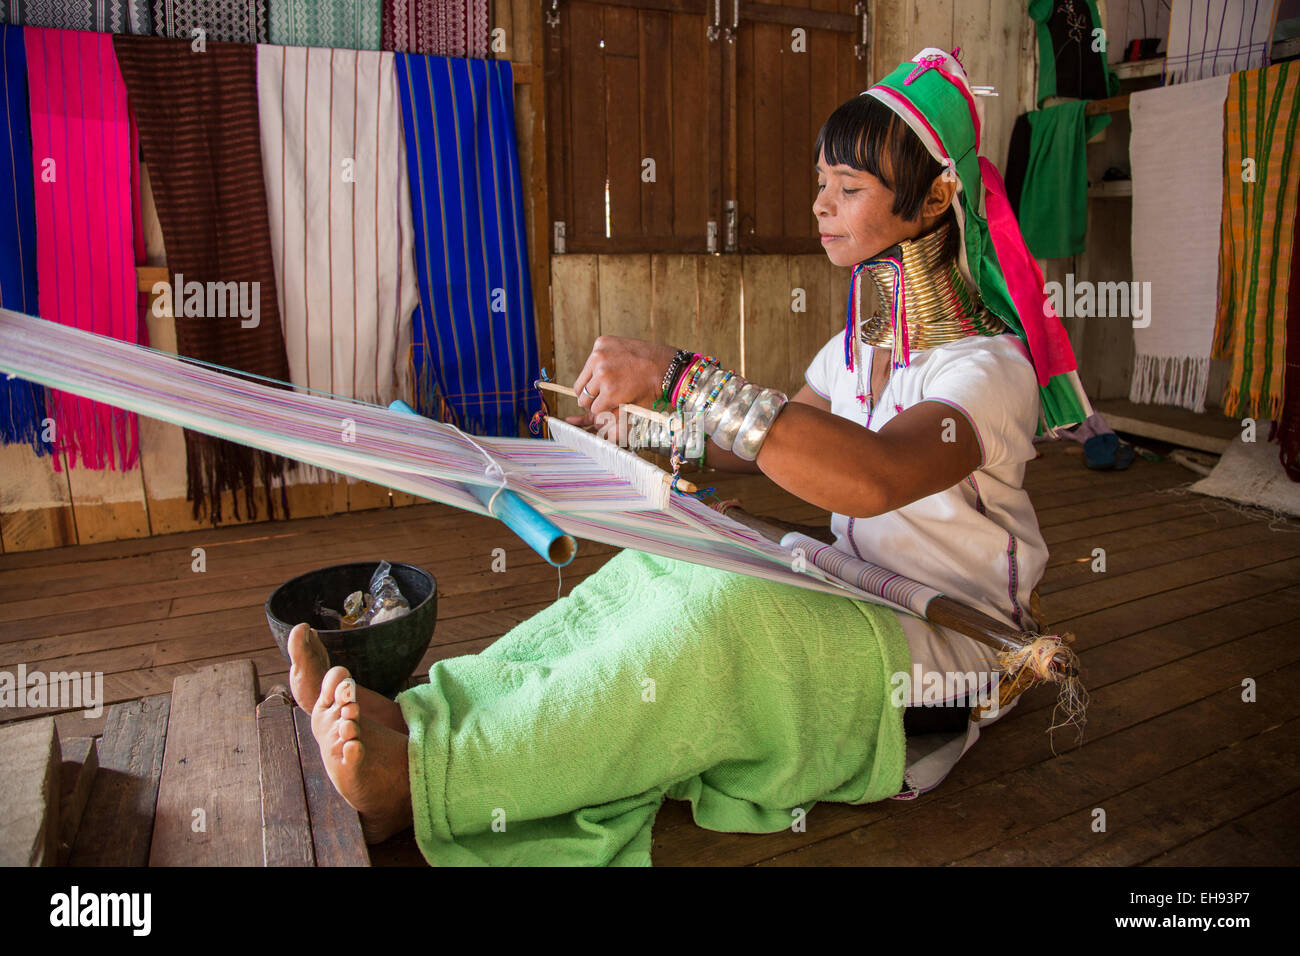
854, 214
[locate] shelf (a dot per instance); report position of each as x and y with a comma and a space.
1156, 66
1209, 431
1111, 189
1139, 68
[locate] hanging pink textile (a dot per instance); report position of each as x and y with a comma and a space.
88, 233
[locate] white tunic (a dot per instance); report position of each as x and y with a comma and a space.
978, 541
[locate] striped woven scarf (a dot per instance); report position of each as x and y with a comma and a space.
22, 403
327, 23
199, 134
88, 235
340, 218
474, 338
1261, 184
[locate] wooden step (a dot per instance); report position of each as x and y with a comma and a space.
79, 758
117, 825
29, 793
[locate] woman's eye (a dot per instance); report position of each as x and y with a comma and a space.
849, 192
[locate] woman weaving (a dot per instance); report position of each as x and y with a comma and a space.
753, 700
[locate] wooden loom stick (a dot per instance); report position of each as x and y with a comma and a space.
941, 610
637, 410
682, 484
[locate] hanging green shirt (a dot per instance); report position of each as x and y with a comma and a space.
1054, 199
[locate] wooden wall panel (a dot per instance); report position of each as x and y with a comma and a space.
584, 154
623, 147
575, 303
696, 157
657, 95
767, 317
719, 320
624, 296
35, 503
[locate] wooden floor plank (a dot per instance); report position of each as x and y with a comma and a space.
1264, 837
1187, 550
286, 825
335, 826
975, 819
209, 809
117, 825
1245, 775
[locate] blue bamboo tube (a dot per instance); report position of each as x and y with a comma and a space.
557, 547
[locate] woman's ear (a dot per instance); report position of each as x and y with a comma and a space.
941, 195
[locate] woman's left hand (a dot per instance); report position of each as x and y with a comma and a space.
620, 371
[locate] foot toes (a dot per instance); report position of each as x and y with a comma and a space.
348, 730
354, 752
335, 678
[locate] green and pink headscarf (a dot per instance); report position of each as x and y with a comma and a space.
933, 96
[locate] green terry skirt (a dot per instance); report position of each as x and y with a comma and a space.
654, 678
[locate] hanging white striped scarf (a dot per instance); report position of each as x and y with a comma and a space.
340, 214
1217, 37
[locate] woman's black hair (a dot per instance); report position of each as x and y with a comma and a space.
864, 130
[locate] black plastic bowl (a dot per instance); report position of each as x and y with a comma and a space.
381, 656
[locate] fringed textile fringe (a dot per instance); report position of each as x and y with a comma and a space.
1182, 380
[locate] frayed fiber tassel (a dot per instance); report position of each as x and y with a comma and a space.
1046, 658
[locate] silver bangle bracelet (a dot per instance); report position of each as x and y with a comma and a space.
736, 411
713, 414
754, 429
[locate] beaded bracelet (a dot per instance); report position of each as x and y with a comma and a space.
674, 368
705, 363
682, 376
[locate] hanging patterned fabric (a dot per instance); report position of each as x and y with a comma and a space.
88, 235
340, 218
22, 403
347, 26
474, 339
104, 16
1177, 156
1215, 37
1068, 62
437, 27
1176, 152
1261, 177
235, 21
199, 133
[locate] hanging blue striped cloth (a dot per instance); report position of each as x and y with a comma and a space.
474, 351
22, 403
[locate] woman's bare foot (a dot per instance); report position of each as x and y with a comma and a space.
308, 662
366, 761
